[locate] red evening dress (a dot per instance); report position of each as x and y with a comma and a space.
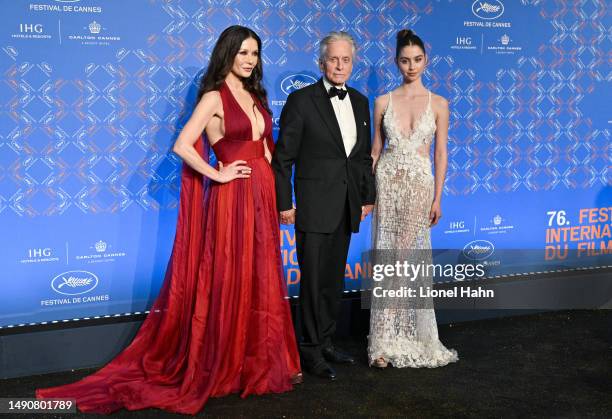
221, 323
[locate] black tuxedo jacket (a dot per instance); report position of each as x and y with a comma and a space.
325, 178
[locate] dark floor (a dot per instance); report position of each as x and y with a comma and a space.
544, 365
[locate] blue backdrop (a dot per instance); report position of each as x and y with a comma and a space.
94, 94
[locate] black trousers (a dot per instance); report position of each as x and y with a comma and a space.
322, 260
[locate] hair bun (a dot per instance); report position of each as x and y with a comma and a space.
405, 33
407, 37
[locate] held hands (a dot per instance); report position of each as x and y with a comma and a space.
365, 210
435, 213
235, 170
288, 216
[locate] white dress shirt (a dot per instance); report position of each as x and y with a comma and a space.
345, 117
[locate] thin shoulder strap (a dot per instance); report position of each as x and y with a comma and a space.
224, 93
429, 99
388, 103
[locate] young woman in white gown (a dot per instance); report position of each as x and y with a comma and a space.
407, 120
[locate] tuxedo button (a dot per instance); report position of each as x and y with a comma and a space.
344, 181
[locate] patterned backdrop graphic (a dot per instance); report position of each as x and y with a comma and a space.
94, 94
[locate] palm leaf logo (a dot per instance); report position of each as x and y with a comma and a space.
74, 282
489, 8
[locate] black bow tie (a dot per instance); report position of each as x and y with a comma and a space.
334, 91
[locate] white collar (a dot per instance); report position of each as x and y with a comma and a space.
328, 85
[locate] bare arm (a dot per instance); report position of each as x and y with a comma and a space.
207, 108
379, 140
440, 156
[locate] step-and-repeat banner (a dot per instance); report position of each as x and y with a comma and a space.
93, 94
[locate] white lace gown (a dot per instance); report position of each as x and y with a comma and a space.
402, 334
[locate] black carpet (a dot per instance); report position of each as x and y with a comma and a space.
544, 365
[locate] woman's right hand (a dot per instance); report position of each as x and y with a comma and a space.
234, 170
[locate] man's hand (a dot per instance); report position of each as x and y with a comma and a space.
365, 210
288, 216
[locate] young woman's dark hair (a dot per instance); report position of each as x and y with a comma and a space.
405, 38
222, 59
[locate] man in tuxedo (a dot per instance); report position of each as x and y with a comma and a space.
325, 134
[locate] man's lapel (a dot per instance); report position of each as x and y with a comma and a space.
359, 118
326, 110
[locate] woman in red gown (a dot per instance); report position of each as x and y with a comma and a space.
221, 323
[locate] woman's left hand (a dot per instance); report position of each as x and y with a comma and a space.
435, 213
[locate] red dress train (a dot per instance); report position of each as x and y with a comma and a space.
220, 324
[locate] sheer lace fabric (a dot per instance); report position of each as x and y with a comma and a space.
404, 335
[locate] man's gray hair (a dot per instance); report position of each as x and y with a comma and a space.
333, 37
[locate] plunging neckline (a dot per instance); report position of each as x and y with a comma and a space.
418, 120
261, 136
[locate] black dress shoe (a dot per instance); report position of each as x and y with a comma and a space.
332, 354
323, 370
